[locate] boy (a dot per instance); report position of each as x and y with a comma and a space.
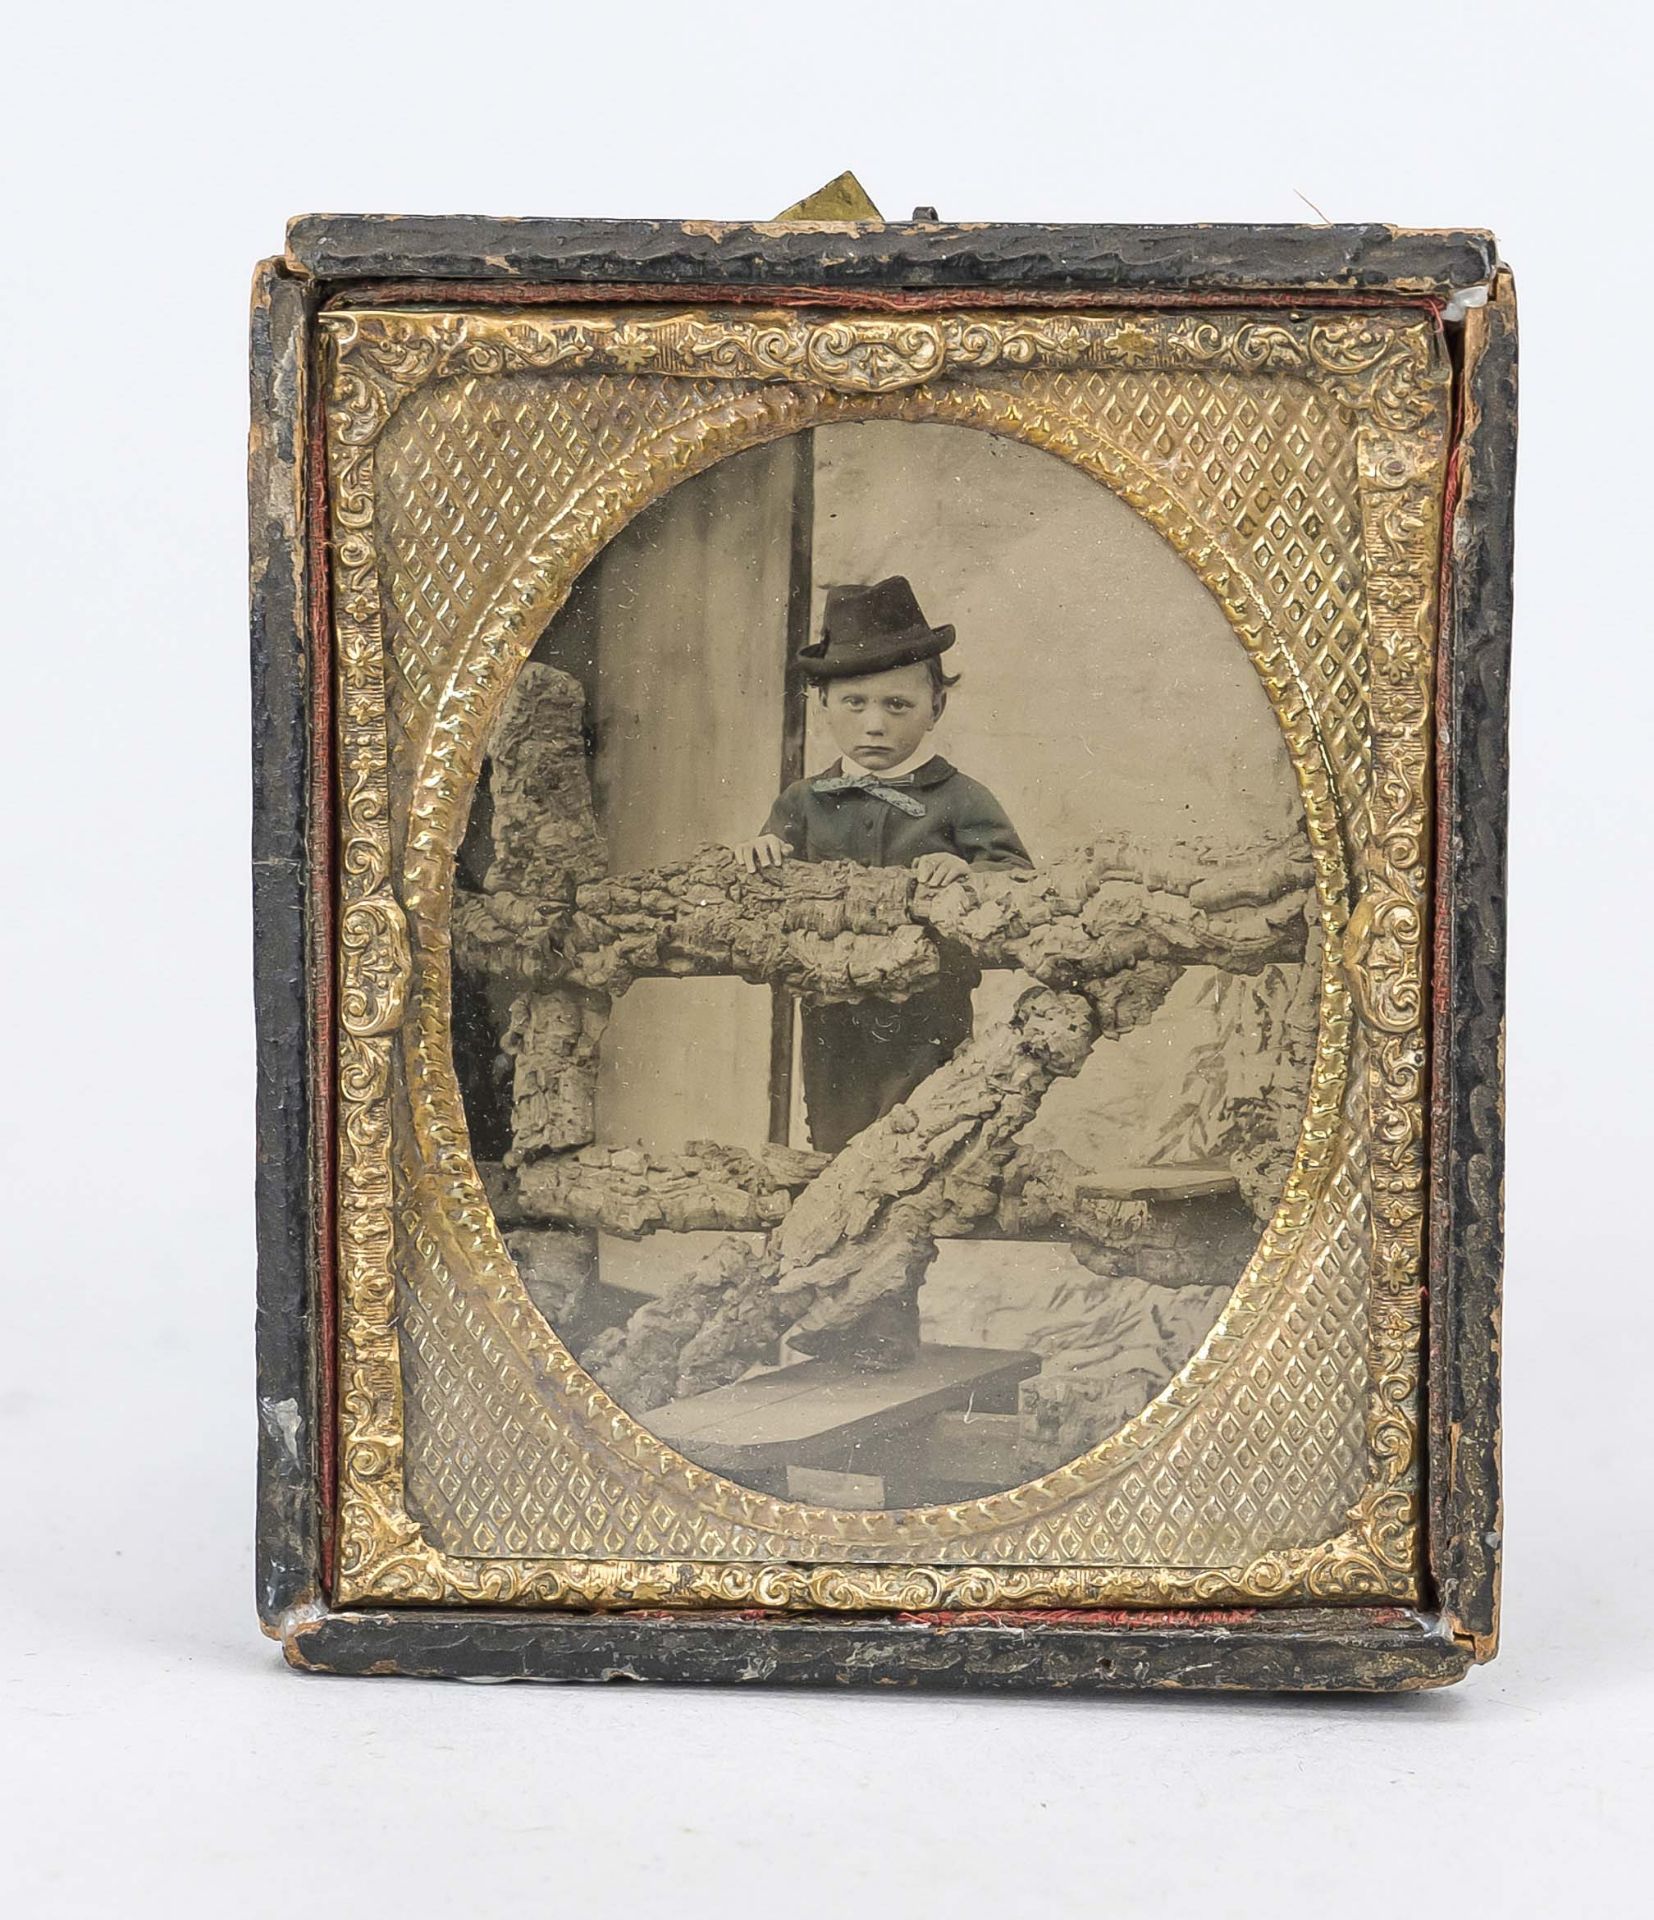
886, 803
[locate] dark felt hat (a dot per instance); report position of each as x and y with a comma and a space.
871, 629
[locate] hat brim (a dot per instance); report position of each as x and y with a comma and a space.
905, 652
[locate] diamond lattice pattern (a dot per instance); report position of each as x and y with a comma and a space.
509, 1450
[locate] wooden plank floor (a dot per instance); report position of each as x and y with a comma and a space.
820, 1409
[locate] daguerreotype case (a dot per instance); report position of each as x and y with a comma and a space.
879, 875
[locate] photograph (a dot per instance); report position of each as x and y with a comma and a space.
916, 674
827, 1036
880, 1014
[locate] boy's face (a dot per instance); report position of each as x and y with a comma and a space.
878, 719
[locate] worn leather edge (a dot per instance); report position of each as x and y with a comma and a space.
1314, 1650
1467, 1225
289, 1461
1218, 259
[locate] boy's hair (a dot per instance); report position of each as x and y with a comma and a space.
940, 682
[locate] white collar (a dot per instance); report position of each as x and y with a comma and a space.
911, 764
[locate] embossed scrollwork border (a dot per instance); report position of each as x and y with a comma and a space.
1388, 373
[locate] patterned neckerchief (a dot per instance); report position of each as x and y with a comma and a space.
881, 786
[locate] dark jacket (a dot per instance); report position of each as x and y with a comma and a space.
860, 1059
961, 816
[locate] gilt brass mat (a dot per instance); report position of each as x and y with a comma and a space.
477, 461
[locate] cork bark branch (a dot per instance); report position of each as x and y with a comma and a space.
864, 1230
545, 843
1036, 1194
838, 931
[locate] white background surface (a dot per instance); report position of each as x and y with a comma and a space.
157, 1757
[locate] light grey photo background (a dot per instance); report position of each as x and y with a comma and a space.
156, 1757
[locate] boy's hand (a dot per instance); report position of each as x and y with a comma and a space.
940, 869
768, 850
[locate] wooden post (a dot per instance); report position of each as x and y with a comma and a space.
800, 591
